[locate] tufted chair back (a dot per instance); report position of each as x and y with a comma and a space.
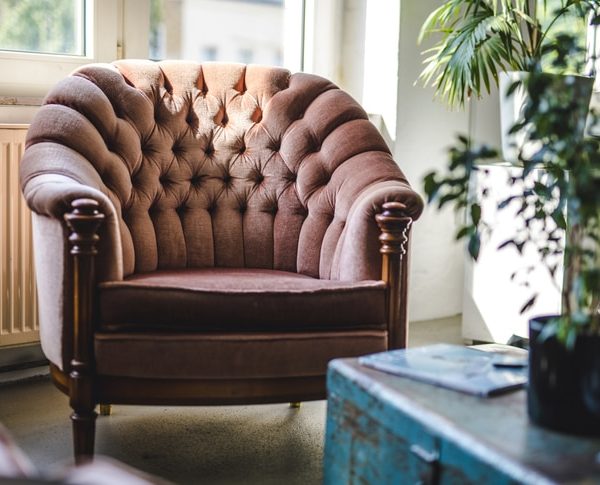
218, 165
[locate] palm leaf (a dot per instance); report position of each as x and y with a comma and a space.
469, 57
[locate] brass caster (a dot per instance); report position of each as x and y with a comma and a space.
105, 409
295, 405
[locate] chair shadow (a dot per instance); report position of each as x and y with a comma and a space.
232, 444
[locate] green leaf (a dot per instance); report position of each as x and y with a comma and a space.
528, 304
549, 330
513, 87
506, 243
571, 338
430, 186
450, 196
463, 232
470, 52
475, 213
559, 218
474, 245
505, 203
540, 188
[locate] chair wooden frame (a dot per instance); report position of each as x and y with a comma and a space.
87, 389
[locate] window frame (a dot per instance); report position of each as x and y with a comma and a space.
32, 74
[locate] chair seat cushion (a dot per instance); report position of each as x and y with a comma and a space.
225, 299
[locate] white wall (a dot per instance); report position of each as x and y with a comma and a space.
425, 128
381, 62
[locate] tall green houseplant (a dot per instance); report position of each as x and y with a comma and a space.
475, 40
564, 390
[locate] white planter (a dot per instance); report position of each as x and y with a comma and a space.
513, 105
491, 299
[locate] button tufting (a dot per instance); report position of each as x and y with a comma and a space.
209, 150
146, 148
192, 119
316, 144
196, 180
258, 178
135, 183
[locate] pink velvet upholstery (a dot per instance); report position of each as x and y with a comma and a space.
235, 355
225, 299
239, 234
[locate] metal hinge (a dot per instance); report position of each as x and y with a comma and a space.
431, 458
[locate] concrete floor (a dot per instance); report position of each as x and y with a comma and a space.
267, 444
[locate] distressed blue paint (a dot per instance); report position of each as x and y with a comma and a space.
373, 420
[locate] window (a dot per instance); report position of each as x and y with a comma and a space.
209, 53
42, 41
43, 26
247, 31
246, 56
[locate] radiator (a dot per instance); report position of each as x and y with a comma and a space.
18, 301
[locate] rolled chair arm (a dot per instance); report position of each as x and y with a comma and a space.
49, 191
374, 246
357, 255
50, 196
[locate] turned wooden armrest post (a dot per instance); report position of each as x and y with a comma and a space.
84, 221
394, 226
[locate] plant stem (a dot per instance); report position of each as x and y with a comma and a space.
560, 13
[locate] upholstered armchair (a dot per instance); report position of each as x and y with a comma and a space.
210, 234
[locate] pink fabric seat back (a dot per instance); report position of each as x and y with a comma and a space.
219, 165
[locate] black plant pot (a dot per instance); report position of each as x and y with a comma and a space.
564, 385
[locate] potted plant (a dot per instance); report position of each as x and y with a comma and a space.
564, 387
481, 43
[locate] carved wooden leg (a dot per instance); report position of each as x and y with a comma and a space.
394, 225
105, 409
83, 221
84, 430
295, 405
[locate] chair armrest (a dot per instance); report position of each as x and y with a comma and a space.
49, 189
357, 256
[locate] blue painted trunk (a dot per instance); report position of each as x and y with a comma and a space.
385, 429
